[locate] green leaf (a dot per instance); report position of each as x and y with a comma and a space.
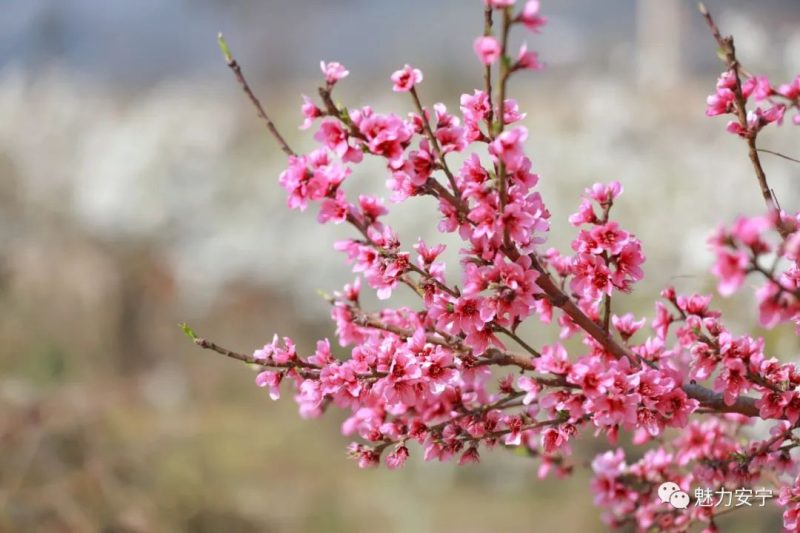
324, 295
188, 331
223, 46
521, 451
345, 113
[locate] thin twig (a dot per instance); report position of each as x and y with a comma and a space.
237, 71
487, 71
530, 349
779, 155
505, 72
208, 345
729, 50
437, 150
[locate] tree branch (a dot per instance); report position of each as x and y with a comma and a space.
779, 155
434, 142
237, 72
729, 50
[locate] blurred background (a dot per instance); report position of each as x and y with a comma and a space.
138, 190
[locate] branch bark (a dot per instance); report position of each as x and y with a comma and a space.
728, 49
237, 72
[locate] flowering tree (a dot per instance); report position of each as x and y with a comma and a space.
454, 375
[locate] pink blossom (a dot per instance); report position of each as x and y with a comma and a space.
530, 387
333, 71
676, 406
585, 214
758, 87
511, 112
487, 49
616, 409
310, 178
366, 457
508, 147
791, 90
277, 351
334, 136
334, 209
774, 305
530, 16
730, 268
459, 315
428, 255
789, 498
397, 458
553, 440
514, 426
386, 135
553, 360
451, 138
749, 231
771, 405
604, 194
609, 238
406, 78
471, 456
475, 106
589, 374
592, 279
528, 59
310, 112
732, 380
627, 325
720, 103
322, 356
371, 208
628, 265
272, 380
479, 340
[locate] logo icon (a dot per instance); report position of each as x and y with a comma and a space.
671, 493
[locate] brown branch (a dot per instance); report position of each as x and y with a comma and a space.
729, 50
607, 297
501, 403
707, 398
494, 355
487, 71
534, 425
770, 275
434, 142
505, 72
366, 321
517, 339
237, 72
712, 400
309, 371
301, 366
208, 345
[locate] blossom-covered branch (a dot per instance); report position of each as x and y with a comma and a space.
732, 97
439, 372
